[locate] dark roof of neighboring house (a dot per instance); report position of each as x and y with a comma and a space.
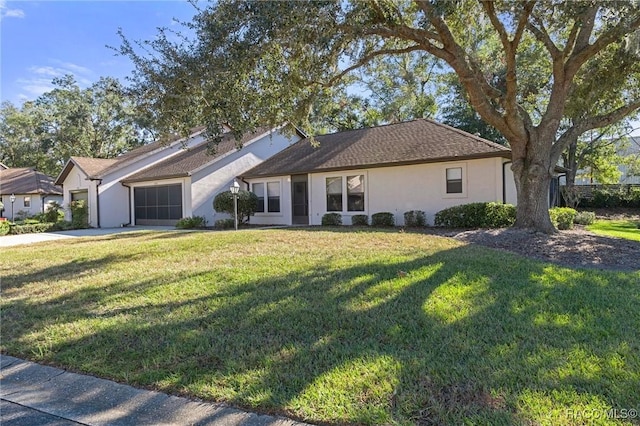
26, 181
191, 159
412, 142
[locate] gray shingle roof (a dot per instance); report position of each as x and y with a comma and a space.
191, 159
93, 166
412, 142
26, 181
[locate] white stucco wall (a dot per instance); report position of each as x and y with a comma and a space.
416, 187
399, 189
218, 176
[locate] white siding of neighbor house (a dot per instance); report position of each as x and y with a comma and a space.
399, 189
39, 203
218, 176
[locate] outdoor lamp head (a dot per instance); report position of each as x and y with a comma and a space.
12, 198
235, 188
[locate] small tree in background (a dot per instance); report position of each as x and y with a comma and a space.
247, 204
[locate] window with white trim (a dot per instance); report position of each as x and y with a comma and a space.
355, 193
268, 194
273, 197
334, 194
27, 202
454, 180
258, 189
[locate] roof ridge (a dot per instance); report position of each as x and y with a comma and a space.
367, 128
467, 134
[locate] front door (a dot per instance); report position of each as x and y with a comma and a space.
300, 200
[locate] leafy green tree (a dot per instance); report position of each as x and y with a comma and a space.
401, 87
20, 141
98, 121
457, 112
256, 62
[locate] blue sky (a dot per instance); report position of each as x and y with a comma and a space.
41, 40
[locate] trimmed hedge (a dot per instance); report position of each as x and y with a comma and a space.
562, 217
332, 219
477, 215
383, 219
191, 222
415, 219
360, 220
32, 228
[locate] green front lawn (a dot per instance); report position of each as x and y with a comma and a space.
332, 326
617, 228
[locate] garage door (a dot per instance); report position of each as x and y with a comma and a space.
158, 205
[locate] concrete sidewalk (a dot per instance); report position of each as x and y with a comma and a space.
34, 394
16, 240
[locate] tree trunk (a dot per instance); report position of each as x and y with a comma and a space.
572, 164
532, 172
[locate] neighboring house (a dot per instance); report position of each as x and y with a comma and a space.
33, 191
632, 149
416, 165
158, 184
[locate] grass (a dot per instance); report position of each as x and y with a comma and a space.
332, 326
628, 229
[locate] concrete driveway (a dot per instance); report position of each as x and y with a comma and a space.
16, 240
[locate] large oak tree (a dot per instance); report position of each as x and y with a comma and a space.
254, 62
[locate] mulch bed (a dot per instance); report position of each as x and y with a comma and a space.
574, 248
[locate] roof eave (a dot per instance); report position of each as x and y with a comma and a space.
156, 178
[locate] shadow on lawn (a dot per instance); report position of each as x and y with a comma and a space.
438, 339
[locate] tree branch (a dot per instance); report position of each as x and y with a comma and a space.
594, 122
365, 60
479, 91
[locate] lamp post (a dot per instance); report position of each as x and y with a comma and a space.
12, 198
235, 188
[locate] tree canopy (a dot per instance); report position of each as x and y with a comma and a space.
98, 121
532, 69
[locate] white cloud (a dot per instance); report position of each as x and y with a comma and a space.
5, 12
35, 87
74, 68
37, 79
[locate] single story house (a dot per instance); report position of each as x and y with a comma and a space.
415, 165
159, 183
33, 191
